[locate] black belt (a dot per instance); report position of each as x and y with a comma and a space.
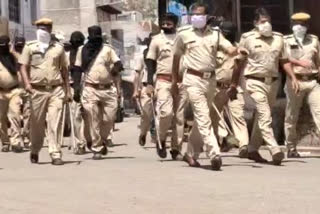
303, 77
45, 87
99, 86
267, 80
9, 89
204, 75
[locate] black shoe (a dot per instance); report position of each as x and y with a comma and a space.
17, 149
216, 163
80, 151
89, 145
293, 154
142, 140
255, 156
109, 143
97, 156
162, 152
57, 162
191, 161
34, 158
5, 148
277, 158
104, 150
243, 152
176, 155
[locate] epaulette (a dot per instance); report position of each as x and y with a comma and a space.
184, 28
288, 36
313, 36
248, 34
277, 34
31, 42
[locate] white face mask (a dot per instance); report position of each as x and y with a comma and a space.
199, 21
265, 29
43, 36
299, 31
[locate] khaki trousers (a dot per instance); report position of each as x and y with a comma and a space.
234, 109
201, 93
309, 90
164, 107
78, 123
26, 112
180, 103
146, 112
46, 109
100, 108
10, 102
264, 97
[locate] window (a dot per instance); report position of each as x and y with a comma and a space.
14, 10
34, 10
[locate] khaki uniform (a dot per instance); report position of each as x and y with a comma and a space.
309, 87
99, 97
145, 100
234, 109
198, 50
47, 100
160, 50
261, 74
10, 101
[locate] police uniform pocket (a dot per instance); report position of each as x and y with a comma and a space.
192, 44
36, 59
165, 52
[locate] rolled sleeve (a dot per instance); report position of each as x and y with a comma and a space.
25, 57
153, 49
114, 57
178, 47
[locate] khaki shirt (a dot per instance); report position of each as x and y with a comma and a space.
264, 53
199, 49
225, 66
45, 68
140, 67
308, 50
7, 80
160, 50
100, 68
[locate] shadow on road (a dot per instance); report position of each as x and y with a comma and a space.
114, 158
65, 162
120, 144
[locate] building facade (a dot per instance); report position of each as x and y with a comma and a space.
21, 14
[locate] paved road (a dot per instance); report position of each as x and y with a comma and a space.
133, 180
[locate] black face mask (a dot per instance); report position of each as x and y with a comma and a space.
18, 48
168, 30
4, 50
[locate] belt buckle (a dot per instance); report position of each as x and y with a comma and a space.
305, 78
268, 80
206, 75
48, 87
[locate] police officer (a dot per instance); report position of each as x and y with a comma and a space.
303, 51
141, 96
265, 49
18, 46
159, 61
45, 75
198, 45
100, 65
10, 99
76, 41
234, 109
